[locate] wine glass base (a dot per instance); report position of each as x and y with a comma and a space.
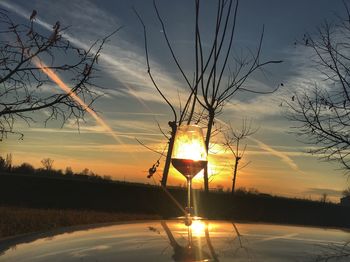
189, 219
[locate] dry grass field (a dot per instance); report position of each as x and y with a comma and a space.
15, 220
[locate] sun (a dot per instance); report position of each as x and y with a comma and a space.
212, 171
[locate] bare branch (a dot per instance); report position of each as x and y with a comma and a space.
24, 79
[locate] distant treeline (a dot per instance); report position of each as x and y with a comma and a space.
6, 167
55, 193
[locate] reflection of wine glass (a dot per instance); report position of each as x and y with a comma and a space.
194, 249
189, 155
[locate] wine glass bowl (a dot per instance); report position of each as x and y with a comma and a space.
189, 155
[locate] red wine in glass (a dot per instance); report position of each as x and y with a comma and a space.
187, 167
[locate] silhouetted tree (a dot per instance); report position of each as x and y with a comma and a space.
85, 172
346, 192
322, 113
324, 198
233, 138
221, 64
213, 63
8, 162
69, 171
178, 117
2, 163
47, 163
23, 50
25, 168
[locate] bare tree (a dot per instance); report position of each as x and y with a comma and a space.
178, 116
218, 74
324, 198
25, 85
8, 162
69, 171
233, 142
322, 116
2, 164
346, 192
221, 73
47, 163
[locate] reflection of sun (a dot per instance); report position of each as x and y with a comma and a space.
198, 228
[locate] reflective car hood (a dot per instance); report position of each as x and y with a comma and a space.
172, 240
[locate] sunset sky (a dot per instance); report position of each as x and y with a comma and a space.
132, 107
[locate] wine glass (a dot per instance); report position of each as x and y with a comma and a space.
189, 156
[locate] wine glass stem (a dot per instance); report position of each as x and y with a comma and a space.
189, 189
189, 237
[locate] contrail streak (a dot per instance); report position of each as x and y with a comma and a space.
54, 77
286, 159
106, 58
110, 60
57, 79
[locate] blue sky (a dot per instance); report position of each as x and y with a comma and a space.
131, 106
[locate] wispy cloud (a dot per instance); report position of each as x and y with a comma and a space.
112, 148
287, 153
98, 130
123, 61
300, 75
319, 191
284, 157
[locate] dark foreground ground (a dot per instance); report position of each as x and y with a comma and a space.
63, 202
20, 220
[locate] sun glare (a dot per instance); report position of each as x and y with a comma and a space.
198, 228
189, 144
212, 170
